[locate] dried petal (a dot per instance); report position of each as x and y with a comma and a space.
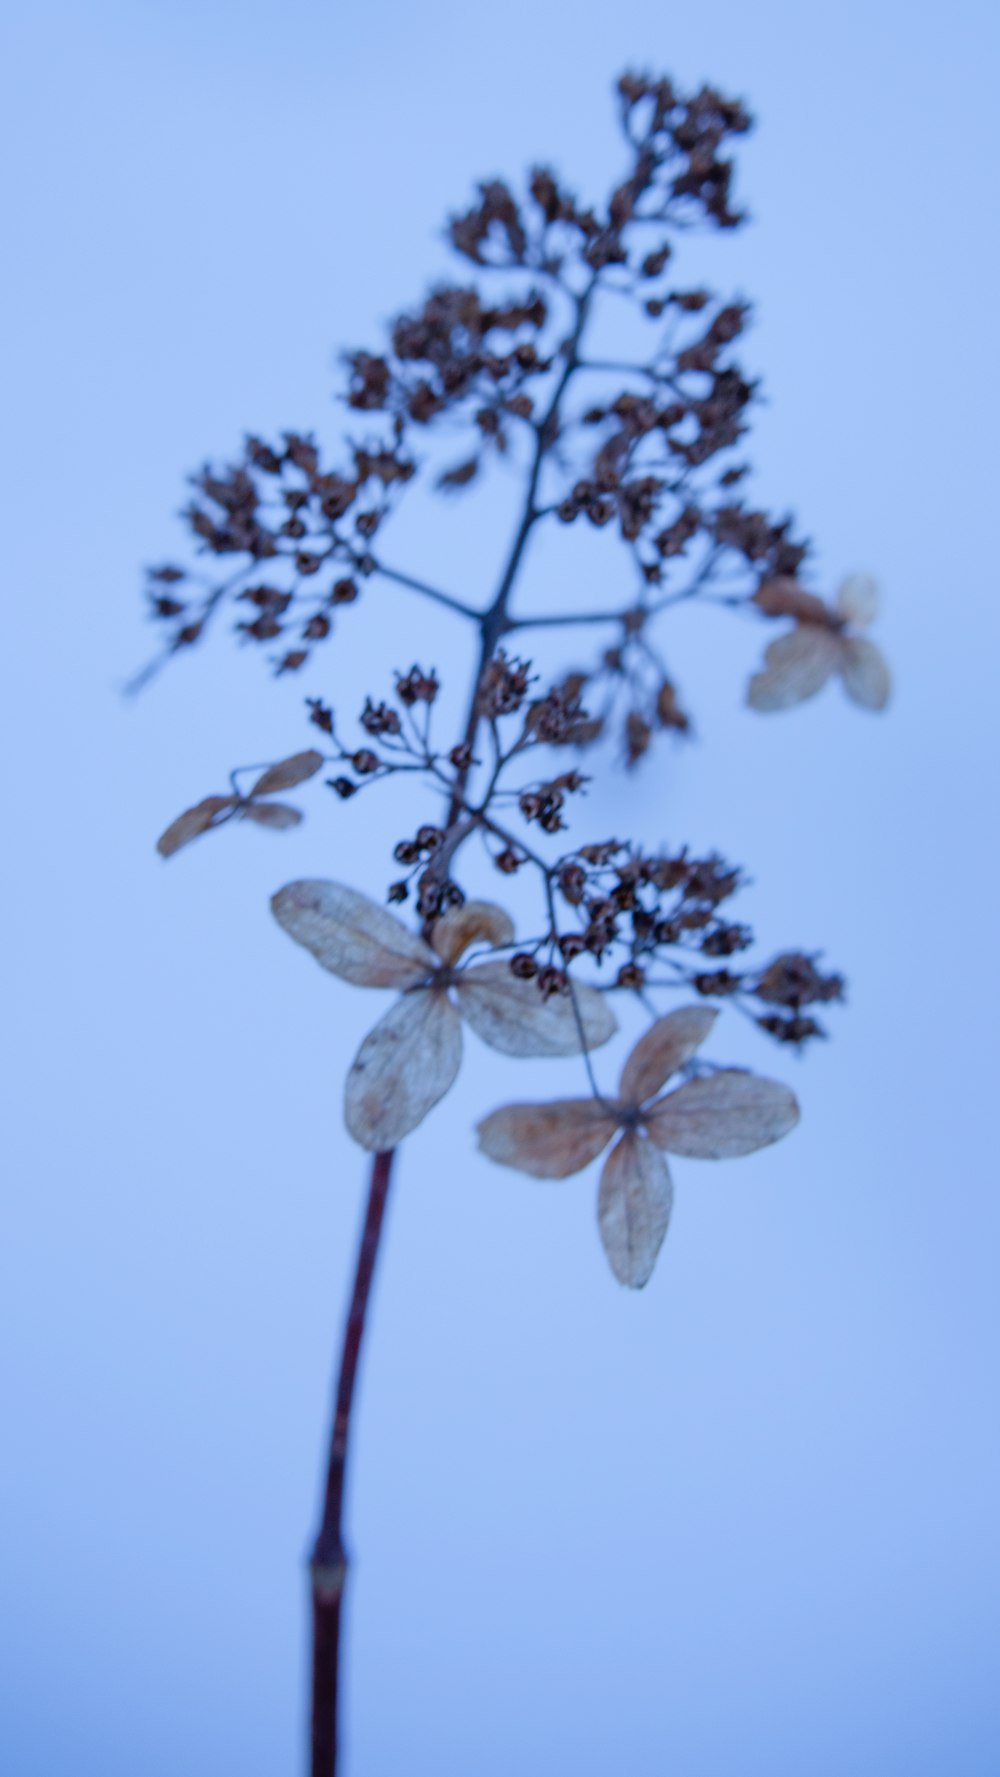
193, 821
547, 1140
865, 673
664, 1048
461, 926
272, 814
784, 597
723, 1116
858, 598
402, 1068
352, 936
797, 666
512, 1016
633, 1208
288, 773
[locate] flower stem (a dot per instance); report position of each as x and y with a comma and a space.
328, 1566
495, 621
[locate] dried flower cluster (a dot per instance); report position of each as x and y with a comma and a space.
642, 448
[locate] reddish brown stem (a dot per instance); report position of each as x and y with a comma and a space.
328, 1567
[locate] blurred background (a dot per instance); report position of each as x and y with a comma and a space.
743, 1523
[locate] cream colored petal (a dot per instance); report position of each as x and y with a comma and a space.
402, 1068
547, 1140
666, 1046
193, 821
858, 598
272, 814
288, 773
462, 926
722, 1116
633, 1208
797, 665
512, 1016
352, 936
865, 673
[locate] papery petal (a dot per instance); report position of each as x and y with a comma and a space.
633, 1208
512, 1016
784, 597
865, 673
402, 1068
723, 1116
666, 1046
547, 1140
796, 667
352, 936
461, 926
288, 772
193, 821
858, 598
272, 814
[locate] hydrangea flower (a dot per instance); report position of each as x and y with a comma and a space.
799, 664
407, 1063
214, 811
717, 1117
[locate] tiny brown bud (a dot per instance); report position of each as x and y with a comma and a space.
572, 944
552, 980
523, 966
319, 714
364, 762
668, 711
572, 881
717, 983
638, 735
667, 931
630, 975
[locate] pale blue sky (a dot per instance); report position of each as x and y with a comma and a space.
744, 1524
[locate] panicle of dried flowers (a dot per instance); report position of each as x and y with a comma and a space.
642, 447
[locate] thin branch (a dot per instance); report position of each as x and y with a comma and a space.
561, 619
430, 592
495, 622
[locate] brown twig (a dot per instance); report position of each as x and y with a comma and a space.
328, 1566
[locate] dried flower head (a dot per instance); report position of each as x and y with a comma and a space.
411, 1058
717, 1117
214, 811
822, 644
